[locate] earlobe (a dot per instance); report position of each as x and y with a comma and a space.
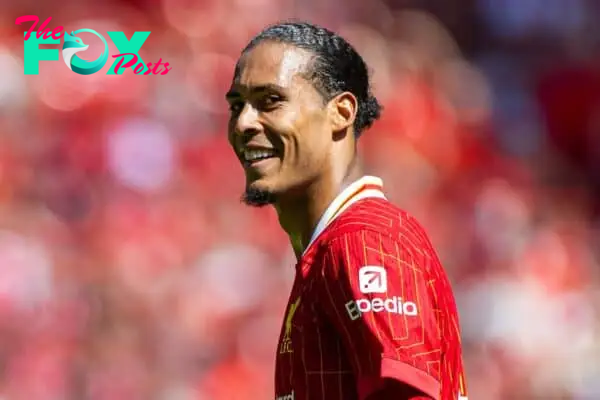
343, 110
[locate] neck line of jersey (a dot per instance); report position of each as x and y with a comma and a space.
365, 187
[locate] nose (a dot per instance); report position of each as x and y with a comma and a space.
247, 122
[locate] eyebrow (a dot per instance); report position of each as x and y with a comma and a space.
268, 87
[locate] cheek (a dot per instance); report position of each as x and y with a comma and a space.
304, 132
231, 139
314, 143
316, 131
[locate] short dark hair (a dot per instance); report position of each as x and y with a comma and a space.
336, 68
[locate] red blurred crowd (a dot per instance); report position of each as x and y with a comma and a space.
130, 270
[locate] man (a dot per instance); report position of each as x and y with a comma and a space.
371, 314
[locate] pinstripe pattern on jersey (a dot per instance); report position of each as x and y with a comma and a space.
335, 357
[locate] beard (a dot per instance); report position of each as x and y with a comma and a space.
257, 198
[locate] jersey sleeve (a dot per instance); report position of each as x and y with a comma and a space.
375, 292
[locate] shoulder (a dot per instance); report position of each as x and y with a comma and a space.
377, 246
378, 222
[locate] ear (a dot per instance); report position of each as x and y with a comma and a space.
342, 111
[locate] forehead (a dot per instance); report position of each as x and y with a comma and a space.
271, 63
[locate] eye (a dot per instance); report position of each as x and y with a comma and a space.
270, 101
235, 107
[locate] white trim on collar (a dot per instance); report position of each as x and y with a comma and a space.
365, 187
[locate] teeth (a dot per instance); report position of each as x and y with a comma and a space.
253, 155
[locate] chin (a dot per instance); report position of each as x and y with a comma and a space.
263, 183
258, 193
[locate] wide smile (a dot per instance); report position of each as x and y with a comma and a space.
255, 157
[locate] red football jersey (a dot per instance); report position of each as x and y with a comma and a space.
370, 301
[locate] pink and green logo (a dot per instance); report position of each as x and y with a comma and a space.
128, 56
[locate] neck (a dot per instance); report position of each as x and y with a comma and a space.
299, 216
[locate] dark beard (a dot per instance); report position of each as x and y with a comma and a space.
257, 198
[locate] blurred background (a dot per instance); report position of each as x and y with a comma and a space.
130, 270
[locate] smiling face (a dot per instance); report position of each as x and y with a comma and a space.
279, 126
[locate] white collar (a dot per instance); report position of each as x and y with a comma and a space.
365, 187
